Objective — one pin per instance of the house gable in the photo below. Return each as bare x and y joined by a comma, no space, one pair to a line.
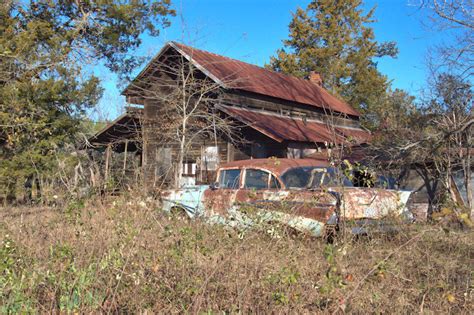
233,74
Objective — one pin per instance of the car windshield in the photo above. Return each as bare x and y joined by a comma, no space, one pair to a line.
314,177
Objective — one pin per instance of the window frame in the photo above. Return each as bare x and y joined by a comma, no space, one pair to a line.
243,174
277,180
239,185
256,169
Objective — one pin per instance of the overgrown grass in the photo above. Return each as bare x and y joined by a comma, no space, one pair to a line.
123,255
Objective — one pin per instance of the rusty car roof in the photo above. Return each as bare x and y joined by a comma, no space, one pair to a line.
235,74
275,165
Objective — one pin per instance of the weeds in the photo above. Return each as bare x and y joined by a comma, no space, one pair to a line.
122,256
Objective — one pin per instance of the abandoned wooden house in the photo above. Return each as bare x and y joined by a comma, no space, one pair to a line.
278,116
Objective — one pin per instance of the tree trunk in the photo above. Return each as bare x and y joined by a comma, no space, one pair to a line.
38,187
468,175
179,163
431,185
28,185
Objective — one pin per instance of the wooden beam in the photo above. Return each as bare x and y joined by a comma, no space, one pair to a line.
107,162
125,157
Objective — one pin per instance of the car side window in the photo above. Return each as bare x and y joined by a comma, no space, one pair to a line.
229,179
256,179
297,177
274,183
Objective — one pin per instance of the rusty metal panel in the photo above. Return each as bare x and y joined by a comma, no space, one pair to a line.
125,127
281,128
357,135
307,210
235,74
371,203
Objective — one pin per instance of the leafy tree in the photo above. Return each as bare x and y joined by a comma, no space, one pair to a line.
399,107
46,85
434,138
334,39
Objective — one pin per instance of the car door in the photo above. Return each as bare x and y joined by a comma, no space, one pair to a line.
260,189
303,210
219,199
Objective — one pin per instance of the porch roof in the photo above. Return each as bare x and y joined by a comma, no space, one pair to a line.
125,128
282,128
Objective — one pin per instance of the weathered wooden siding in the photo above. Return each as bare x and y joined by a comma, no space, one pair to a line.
254,145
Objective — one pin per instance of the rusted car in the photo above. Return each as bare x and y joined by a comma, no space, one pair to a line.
307,195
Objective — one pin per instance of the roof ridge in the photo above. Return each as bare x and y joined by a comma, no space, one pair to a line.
248,63
256,79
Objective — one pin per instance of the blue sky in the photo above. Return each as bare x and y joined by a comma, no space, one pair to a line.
252,31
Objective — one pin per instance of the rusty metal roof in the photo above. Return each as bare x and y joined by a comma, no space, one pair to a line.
235,74
124,128
275,165
283,128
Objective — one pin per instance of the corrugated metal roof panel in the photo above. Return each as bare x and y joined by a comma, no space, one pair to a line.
235,74
281,128
244,76
357,135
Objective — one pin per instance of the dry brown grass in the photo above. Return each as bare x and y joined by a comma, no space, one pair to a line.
101,256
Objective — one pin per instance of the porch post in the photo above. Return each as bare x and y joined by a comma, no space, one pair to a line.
125,157
107,161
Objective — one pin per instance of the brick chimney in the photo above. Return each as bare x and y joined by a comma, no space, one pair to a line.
315,78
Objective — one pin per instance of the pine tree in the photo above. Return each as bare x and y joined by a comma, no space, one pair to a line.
47,50
332,37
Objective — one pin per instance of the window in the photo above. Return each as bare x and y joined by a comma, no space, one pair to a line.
229,179
329,177
210,158
385,182
314,177
297,177
256,179
189,169
274,183
163,162
319,178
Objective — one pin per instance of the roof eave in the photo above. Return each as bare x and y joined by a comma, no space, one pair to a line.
184,54
147,67
197,65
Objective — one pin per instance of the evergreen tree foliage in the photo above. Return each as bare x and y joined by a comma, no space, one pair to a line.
46,86
333,38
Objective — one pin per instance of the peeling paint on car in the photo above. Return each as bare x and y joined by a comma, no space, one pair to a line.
307,210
